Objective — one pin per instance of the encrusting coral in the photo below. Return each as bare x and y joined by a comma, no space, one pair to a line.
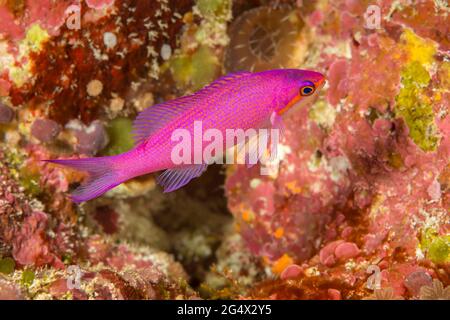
41,248
266,38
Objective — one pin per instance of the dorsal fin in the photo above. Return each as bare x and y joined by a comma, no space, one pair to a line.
156,117
223,81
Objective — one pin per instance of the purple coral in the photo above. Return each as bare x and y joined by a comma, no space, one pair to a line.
354,184
6,114
416,280
45,130
90,139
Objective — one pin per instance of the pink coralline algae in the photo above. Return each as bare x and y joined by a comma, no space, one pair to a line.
24,230
50,14
365,72
359,179
264,209
30,245
337,250
99,4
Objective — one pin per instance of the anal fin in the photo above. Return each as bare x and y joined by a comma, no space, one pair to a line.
173,179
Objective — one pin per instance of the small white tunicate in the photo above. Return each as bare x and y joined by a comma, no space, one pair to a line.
110,40
166,52
94,88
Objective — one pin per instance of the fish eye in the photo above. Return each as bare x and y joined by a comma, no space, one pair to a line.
307,90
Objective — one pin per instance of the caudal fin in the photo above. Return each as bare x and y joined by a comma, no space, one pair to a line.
102,176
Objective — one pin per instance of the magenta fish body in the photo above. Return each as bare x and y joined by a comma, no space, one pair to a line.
238,101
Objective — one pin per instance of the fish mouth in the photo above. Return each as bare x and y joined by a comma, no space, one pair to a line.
321,83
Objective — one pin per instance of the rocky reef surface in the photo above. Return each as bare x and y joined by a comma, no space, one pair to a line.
357,206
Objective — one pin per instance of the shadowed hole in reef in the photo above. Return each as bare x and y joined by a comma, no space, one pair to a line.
195,217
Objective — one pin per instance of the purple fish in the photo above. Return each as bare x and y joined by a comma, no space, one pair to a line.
242,100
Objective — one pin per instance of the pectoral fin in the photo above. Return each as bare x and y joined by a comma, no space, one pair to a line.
276,122
253,149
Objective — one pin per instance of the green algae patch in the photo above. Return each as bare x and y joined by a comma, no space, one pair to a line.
196,70
415,75
205,65
7,265
213,7
413,107
36,36
412,102
417,48
181,69
30,181
27,278
120,136
28,176
14,158
437,248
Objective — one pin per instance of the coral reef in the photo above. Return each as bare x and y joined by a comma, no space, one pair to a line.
72,72
356,207
360,183
68,92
